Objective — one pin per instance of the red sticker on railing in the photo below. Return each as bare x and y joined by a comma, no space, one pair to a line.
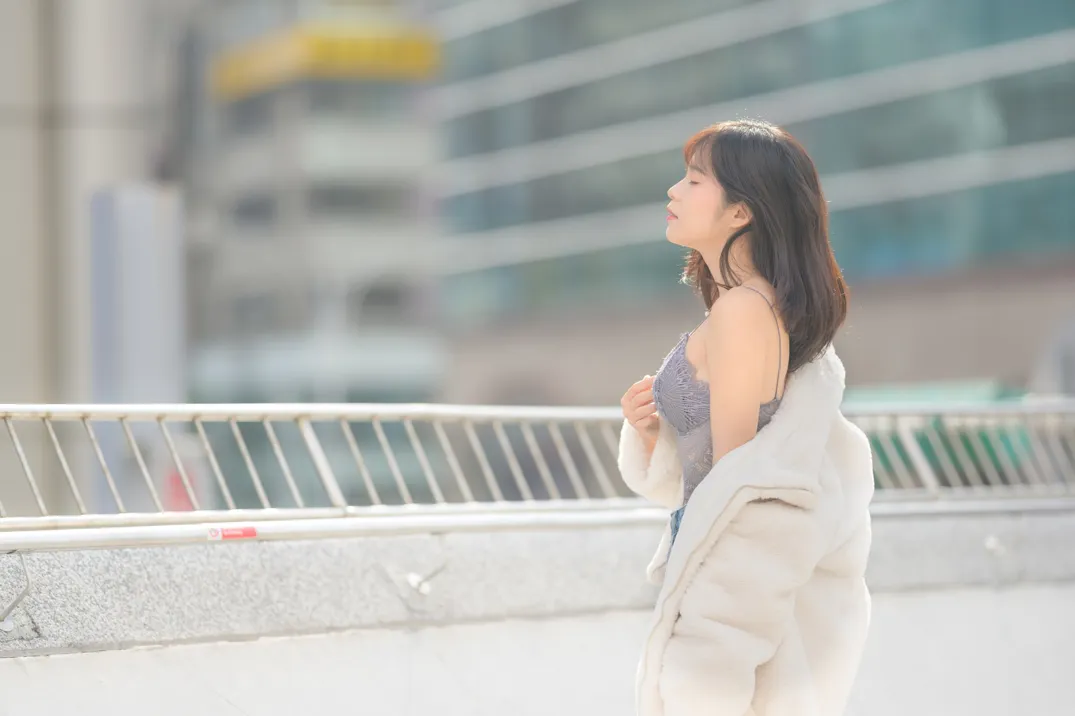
222,533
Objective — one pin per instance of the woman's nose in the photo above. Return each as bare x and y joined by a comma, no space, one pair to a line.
671,189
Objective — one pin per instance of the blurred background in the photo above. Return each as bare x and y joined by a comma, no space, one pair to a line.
461,200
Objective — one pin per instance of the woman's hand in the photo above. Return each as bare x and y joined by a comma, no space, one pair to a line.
640,411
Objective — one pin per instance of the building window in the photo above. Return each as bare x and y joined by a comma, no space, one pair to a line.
358,200
249,115
355,100
255,314
255,210
381,303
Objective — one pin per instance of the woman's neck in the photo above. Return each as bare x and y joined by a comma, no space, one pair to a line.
739,262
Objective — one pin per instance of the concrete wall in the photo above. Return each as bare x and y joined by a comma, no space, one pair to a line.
972,616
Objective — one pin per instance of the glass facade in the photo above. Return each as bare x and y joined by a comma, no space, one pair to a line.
1010,111
567,28
1024,218
1017,222
888,35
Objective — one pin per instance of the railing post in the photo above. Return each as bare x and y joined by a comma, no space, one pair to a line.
321,463
905,427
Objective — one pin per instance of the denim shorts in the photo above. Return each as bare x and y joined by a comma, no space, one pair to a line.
676,519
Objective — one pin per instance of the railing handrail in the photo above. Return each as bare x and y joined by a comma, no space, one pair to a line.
496,518
400,411
271,514
291,411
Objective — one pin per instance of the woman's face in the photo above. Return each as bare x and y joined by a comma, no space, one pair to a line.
698,215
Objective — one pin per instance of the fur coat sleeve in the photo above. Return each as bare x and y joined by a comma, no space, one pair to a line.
657,477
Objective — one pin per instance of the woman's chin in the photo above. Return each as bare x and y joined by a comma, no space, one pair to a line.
670,235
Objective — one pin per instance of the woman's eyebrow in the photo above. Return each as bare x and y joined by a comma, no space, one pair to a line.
695,168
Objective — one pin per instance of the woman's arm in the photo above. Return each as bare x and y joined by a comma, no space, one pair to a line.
739,369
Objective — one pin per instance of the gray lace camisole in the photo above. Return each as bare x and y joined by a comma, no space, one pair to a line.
683,401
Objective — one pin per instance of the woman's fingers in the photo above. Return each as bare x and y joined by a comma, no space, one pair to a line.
643,398
644,384
637,402
643,412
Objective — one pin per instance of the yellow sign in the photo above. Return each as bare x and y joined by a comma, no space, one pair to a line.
354,53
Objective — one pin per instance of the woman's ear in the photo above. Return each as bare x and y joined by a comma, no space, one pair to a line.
741,215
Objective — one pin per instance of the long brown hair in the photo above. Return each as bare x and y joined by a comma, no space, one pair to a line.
764,167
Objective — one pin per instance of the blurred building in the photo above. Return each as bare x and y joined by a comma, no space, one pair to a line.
81,104
76,114
944,131
303,137
304,152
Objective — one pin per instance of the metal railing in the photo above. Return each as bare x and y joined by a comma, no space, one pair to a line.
150,475
143,465
1008,450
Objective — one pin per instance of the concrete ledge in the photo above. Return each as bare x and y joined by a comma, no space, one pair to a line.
987,652
915,552
109,599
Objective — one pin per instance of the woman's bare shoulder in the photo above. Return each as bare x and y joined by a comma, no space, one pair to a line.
741,313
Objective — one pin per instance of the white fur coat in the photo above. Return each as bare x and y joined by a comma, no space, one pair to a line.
763,609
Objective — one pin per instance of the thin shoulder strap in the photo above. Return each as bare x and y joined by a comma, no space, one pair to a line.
779,348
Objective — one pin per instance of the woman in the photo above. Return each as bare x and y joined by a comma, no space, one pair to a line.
763,609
